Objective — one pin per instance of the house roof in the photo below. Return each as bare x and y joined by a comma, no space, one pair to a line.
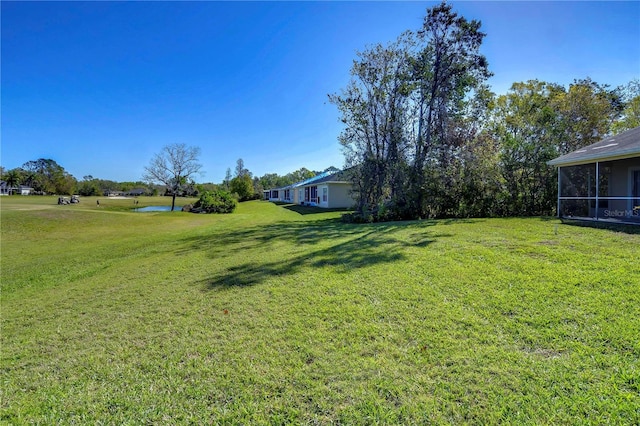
618,147
309,181
341,176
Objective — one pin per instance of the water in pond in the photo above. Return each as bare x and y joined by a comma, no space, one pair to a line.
157,209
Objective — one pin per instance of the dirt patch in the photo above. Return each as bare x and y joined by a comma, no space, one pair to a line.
543,353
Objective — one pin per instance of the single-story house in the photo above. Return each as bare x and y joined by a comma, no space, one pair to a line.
601,181
294,193
25,190
4,188
331,191
285,194
276,194
136,192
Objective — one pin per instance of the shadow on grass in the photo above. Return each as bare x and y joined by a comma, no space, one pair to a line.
611,226
305,210
307,245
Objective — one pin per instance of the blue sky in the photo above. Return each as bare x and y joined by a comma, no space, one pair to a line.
100,87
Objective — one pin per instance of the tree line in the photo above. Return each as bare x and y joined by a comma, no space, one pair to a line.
424,136
247,186
46,176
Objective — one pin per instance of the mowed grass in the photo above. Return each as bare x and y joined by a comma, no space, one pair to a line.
277,315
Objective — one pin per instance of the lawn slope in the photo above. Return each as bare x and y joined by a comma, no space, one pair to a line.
277,315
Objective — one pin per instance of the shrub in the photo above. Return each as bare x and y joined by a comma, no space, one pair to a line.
217,201
384,212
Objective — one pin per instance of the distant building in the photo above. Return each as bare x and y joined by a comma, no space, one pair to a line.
329,189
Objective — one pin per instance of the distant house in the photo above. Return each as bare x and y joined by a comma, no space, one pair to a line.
329,189
275,194
136,192
25,190
601,181
5,189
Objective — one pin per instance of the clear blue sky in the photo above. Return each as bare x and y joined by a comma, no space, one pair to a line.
100,87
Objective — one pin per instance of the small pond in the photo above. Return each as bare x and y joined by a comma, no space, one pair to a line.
157,209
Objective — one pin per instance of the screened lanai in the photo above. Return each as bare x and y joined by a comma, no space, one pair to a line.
601,181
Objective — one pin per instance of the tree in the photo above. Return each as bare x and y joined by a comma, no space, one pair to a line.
89,186
301,174
227,179
403,111
586,112
273,180
13,177
243,186
47,176
537,121
173,167
526,126
240,169
630,117
217,201
373,108
257,186
446,69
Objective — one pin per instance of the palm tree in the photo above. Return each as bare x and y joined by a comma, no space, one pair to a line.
12,177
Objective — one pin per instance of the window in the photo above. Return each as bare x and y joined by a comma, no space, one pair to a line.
325,192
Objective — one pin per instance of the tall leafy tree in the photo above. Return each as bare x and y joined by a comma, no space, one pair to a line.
586,112
227,178
630,116
241,170
271,180
300,175
243,186
447,67
402,111
476,184
373,108
88,186
526,125
13,177
47,176
173,167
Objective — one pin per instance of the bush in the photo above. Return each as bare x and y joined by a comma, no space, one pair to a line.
217,201
384,212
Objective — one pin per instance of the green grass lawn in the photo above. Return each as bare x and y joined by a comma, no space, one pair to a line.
275,315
